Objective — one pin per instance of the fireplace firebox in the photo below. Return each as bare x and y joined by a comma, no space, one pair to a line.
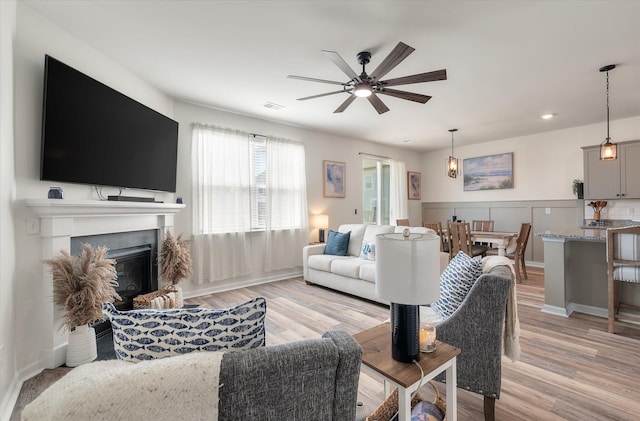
135,254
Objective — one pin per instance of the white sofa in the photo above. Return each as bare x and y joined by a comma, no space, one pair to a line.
349,273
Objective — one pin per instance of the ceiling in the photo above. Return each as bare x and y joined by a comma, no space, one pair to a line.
507,62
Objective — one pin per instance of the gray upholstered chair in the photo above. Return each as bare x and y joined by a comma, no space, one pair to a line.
623,265
476,327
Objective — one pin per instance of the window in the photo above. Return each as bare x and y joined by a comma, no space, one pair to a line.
258,168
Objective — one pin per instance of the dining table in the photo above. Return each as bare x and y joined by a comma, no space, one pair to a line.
499,239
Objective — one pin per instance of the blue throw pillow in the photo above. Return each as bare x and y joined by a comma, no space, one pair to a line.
455,283
337,243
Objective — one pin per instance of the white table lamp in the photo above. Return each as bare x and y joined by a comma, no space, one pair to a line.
407,275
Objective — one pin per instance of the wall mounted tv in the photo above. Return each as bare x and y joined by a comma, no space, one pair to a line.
93,134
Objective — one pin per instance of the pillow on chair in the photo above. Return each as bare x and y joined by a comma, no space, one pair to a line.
149,334
455,283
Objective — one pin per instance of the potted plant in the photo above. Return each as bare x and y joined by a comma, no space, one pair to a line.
578,188
175,262
81,284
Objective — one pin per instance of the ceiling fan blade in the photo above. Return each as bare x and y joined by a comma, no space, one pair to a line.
419,78
339,61
395,57
311,79
345,104
406,95
377,104
320,95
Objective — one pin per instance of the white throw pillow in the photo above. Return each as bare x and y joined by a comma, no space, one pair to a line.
368,251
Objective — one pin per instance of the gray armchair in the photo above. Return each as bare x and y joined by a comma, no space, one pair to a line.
476,327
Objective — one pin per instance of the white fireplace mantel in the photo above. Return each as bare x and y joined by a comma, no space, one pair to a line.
62,219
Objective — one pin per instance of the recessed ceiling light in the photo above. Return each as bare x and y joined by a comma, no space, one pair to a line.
546,116
273,105
407,141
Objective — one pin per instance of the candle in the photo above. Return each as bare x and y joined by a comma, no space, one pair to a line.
427,338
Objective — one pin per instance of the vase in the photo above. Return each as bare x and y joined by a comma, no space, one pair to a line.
596,215
82,347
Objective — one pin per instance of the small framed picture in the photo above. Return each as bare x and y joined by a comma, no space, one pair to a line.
414,185
333,179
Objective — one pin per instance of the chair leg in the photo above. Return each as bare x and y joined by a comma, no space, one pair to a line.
611,304
489,408
524,269
517,268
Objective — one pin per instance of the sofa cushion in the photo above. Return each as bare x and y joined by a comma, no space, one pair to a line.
373,230
149,334
347,267
368,272
337,243
355,240
323,261
455,282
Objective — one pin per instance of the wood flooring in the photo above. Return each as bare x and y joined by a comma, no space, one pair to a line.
570,368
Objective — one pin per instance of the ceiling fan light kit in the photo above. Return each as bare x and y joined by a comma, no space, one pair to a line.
452,162
608,149
370,86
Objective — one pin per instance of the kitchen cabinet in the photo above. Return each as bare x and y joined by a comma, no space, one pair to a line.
618,179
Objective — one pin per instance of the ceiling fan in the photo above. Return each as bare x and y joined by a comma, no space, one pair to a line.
370,86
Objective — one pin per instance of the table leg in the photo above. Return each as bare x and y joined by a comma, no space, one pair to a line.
387,388
404,404
452,397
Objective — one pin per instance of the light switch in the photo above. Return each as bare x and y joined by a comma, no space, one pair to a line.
547,211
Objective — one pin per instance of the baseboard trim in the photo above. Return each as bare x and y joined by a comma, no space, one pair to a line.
557,311
591,310
9,401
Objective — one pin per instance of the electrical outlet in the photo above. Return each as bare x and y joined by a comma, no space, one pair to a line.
547,211
33,226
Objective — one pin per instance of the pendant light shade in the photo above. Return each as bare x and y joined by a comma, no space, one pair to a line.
452,162
608,149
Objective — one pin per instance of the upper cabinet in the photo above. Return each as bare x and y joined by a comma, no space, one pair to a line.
618,179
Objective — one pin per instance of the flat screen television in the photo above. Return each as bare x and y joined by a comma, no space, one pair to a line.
93,134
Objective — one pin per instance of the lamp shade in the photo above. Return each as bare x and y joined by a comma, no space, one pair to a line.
408,268
321,221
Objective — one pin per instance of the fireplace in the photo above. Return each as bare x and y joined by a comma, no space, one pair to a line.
64,220
135,254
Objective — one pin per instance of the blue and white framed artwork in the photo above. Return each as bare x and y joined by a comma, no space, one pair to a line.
333,179
491,172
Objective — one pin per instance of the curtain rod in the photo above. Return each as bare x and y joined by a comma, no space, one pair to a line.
373,156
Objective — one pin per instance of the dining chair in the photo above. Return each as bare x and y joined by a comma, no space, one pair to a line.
480,225
402,222
518,253
623,265
460,240
437,227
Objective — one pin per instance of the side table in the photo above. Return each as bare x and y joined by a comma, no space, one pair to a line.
377,360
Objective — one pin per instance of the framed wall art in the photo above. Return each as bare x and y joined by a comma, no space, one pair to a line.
414,185
333,179
488,172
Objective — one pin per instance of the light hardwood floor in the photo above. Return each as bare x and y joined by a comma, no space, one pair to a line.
570,369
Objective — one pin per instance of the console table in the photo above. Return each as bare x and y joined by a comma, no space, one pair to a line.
376,360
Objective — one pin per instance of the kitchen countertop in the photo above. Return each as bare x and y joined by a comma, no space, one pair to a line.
587,232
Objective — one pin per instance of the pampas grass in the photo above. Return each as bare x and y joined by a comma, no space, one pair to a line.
81,284
175,259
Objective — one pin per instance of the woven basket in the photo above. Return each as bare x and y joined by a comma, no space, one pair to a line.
389,407
171,299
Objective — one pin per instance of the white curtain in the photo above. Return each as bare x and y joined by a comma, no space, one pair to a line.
221,204
287,225
398,196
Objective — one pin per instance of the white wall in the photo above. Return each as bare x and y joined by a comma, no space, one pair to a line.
544,166
7,194
318,147
35,37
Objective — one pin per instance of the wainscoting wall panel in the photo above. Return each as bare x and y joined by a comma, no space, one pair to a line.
544,215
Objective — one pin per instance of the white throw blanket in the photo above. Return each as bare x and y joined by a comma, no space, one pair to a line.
511,322
176,388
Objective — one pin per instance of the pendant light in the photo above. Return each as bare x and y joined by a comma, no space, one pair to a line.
452,162
608,150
